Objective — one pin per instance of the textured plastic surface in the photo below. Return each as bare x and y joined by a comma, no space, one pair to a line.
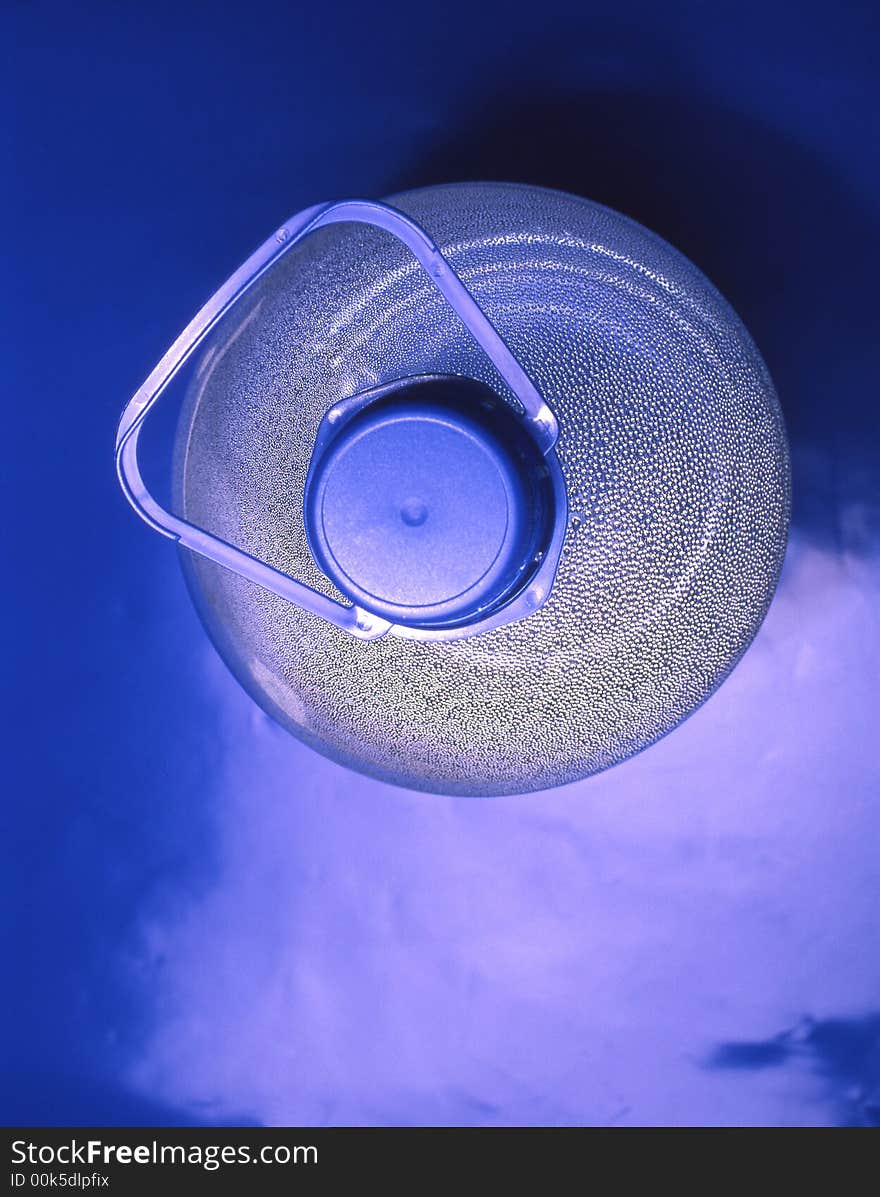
672,448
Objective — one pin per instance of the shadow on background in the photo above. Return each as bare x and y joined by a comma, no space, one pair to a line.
844,1052
773,226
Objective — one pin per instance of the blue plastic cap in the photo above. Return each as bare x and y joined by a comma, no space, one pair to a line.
425,502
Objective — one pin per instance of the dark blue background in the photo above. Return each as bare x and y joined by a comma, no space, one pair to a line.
149,148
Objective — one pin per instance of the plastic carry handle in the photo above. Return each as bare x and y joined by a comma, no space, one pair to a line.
350,618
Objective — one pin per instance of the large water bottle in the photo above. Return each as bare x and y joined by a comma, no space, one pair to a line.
482,489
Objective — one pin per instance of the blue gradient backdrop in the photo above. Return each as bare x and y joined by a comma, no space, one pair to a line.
206,923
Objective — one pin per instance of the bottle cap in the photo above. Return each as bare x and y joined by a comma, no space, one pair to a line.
427,506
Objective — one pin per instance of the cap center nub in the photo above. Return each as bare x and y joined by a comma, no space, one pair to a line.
414,513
